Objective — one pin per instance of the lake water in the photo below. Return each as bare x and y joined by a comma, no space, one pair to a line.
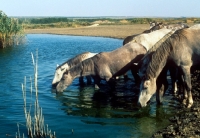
86,111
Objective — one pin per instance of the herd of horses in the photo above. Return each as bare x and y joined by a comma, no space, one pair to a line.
149,56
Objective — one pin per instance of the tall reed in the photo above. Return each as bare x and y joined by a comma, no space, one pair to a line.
35,125
11,32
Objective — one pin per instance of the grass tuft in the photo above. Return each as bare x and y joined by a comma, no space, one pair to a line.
35,125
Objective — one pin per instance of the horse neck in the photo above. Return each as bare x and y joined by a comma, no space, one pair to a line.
74,61
84,68
159,59
158,43
88,67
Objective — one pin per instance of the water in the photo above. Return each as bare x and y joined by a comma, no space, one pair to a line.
83,110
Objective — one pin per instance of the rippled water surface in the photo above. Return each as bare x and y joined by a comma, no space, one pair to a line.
88,112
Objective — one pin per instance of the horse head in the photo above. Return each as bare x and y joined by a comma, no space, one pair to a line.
147,89
64,82
147,86
154,23
59,73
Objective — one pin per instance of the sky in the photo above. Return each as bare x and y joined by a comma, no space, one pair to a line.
91,8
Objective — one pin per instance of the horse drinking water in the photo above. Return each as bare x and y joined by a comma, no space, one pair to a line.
69,64
105,65
183,49
147,40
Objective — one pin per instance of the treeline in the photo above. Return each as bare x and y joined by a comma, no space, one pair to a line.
11,32
43,20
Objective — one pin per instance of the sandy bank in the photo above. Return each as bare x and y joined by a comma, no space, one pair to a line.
114,31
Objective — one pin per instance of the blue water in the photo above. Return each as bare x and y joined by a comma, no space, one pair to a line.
88,112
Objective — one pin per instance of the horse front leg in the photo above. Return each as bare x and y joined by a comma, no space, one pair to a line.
111,82
81,80
89,79
97,81
125,76
134,71
162,85
188,100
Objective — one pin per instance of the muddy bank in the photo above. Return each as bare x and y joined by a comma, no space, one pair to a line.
187,121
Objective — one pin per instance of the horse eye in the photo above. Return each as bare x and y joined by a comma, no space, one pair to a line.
62,69
147,78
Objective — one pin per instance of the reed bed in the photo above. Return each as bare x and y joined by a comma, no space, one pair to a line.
35,125
11,32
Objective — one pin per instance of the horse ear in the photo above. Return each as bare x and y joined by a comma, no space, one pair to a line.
57,65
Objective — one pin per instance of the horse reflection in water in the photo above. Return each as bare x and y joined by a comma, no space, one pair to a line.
69,64
105,65
183,49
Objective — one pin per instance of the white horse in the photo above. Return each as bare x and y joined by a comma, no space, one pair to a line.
69,64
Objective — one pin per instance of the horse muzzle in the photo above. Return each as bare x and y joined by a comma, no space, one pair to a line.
54,85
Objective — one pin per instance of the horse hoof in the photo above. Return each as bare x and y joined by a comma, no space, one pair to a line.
185,101
96,87
189,106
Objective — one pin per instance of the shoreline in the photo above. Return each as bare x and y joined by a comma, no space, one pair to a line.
110,31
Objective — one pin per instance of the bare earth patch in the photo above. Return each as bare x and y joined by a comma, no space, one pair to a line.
113,31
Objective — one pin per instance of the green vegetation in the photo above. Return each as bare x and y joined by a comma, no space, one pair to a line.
11,32
64,22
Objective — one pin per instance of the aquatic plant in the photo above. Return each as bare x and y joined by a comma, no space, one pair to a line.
35,125
11,32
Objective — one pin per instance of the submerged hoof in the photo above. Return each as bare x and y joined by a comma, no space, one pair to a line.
189,105
185,102
96,87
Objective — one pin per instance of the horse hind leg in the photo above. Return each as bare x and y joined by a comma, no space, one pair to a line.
187,83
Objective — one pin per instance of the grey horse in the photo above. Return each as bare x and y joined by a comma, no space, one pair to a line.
183,49
105,65
69,64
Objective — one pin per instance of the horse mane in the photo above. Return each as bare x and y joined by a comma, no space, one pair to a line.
73,61
153,48
88,65
82,68
160,56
